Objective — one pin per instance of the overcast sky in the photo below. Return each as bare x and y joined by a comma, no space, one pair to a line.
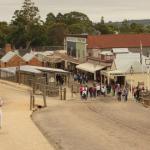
112,10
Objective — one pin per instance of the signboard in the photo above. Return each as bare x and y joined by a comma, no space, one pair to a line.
76,39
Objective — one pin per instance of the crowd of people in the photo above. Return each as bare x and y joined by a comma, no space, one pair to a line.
94,91
98,89
81,78
120,92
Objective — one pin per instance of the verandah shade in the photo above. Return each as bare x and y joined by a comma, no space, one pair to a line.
89,67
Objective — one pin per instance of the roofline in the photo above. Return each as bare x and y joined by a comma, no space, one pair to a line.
76,35
116,47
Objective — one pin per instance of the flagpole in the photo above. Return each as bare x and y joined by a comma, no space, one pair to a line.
141,59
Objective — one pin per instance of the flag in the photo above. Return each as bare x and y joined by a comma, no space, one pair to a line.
141,47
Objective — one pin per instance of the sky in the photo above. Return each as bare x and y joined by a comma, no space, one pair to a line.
112,10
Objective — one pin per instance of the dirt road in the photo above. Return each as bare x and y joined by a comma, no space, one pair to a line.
96,125
18,130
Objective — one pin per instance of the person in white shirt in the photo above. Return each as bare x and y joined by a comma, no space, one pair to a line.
98,88
103,90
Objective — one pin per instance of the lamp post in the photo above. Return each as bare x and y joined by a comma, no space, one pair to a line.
147,62
131,72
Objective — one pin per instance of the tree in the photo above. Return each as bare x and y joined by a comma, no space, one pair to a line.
56,34
76,17
125,27
4,31
136,28
50,19
23,22
103,28
60,18
102,20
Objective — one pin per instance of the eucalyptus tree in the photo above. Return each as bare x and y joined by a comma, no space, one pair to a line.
24,23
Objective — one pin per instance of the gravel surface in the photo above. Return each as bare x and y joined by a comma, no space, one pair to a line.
102,124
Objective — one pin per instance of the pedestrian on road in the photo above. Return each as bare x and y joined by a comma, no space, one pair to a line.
1,104
94,91
103,90
119,94
81,90
125,94
98,88
91,91
84,93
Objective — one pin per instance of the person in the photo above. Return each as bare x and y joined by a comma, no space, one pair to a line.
81,90
119,94
80,79
125,94
98,89
103,90
91,92
1,104
108,88
138,90
75,77
94,91
84,93
113,90
87,91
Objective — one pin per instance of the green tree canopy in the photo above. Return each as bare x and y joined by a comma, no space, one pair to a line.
76,17
4,31
50,19
23,22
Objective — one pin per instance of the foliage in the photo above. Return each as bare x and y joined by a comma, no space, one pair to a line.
27,30
56,34
4,31
24,23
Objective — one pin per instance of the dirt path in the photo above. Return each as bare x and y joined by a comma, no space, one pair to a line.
96,125
18,131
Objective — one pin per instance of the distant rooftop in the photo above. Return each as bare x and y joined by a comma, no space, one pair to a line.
118,41
8,56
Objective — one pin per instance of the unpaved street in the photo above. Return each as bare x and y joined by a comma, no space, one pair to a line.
18,130
96,125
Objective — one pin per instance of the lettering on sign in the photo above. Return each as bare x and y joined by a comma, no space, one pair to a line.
75,39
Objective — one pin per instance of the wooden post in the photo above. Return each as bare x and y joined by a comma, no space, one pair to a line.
64,93
44,97
60,92
72,90
31,100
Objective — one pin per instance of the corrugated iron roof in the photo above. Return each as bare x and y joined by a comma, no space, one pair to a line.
118,41
28,56
8,56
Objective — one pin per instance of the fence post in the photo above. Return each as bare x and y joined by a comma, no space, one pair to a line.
72,90
44,97
64,93
31,100
61,92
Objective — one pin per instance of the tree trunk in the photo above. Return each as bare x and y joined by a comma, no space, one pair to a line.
28,44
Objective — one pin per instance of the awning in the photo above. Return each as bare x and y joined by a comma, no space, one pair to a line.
89,67
113,73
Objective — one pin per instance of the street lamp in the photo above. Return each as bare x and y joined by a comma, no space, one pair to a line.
147,62
131,72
